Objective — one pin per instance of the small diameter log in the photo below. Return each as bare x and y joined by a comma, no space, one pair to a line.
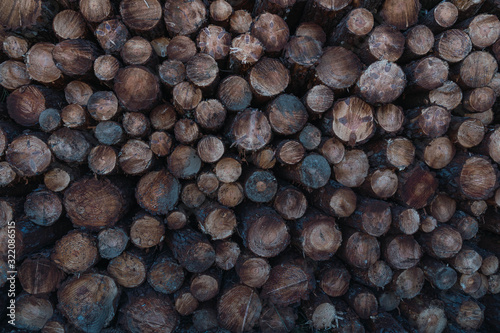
176,219
332,149
136,124
215,220
272,31
479,99
438,153
150,312
260,186
186,97
136,88
172,72
226,254
69,24
186,131
338,68
321,312
245,51
15,47
43,207
175,20
111,242
353,120
466,225
382,82
103,105
439,274
476,177
230,194
240,22
377,276
214,40
184,162
290,152
388,300
355,25
207,182
301,54
312,30
112,35
185,303
290,203
408,9
210,115
268,78
77,92
250,130
160,143
140,15
442,16
317,235
165,275
239,309
7,174
128,270
75,57
442,207
385,43
390,118
205,286
109,133
263,231
318,99
137,51
264,159
477,69
424,314
382,184
371,216
158,192
453,45
474,207
76,252
427,73
334,278
312,172
359,249
353,169
407,283
146,231
202,70
220,12
443,242
401,251
40,64
13,75
252,271
324,13
228,170
277,320
287,115
32,312
416,186
475,284
467,261
135,157
103,160
419,42
234,93
191,249
310,137
467,132
74,116
181,48
95,10
205,317
69,145
94,204
287,284
210,149
362,301
28,156
39,275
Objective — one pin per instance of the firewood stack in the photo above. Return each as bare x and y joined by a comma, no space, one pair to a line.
251,165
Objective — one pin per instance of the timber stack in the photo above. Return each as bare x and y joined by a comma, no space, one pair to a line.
250,165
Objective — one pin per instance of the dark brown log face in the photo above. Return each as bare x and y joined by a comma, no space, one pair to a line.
43,207
290,203
202,70
135,157
239,309
146,231
449,95
353,120
216,221
172,72
39,275
277,319
112,35
417,186
175,16
390,117
475,169
28,156
320,236
312,30
385,43
94,204
75,57
360,250
251,130
226,254
111,242
419,40
140,15
353,160
181,48
184,162
128,270
338,68
401,14
439,152
158,192
402,252
165,275
136,88
286,285
136,51
186,97
443,242
443,16
319,99
268,78
69,24
13,75
76,252
15,47
26,104
484,30
428,73
335,279
77,92
287,115
382,82
479,99
234,93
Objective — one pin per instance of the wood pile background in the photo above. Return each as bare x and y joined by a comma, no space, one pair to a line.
250,165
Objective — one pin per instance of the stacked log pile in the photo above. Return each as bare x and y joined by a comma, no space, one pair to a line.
250,166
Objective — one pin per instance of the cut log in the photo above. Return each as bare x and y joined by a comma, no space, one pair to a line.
191,249
128,270
239,309
76,252
439,274
28,155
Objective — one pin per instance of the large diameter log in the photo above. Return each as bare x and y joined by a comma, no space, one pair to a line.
407,13
28,155
32,312
318,235
40,64
89,301
335,278
158,192
140,15
239,309
136,88
94,204
477,69
26,103
263,230
272,31
268,78
43,207
75,57
277,320
69,145
407,283
466,312
76,252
